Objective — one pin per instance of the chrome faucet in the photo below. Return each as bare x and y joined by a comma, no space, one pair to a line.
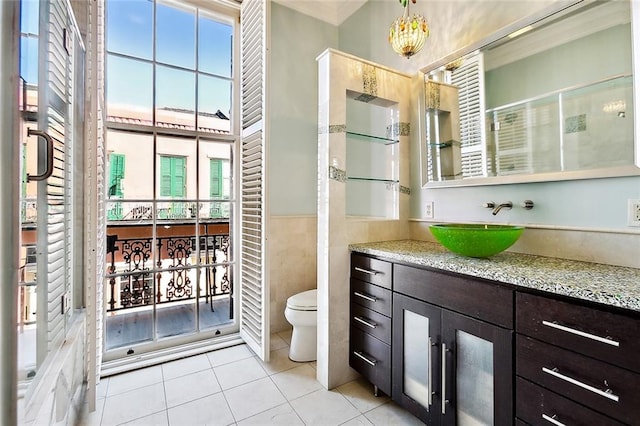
499,207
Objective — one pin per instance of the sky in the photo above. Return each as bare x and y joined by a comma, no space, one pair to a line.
129,32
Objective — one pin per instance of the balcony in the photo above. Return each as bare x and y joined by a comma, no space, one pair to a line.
168,285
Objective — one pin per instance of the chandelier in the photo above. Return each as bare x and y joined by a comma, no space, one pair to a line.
408,33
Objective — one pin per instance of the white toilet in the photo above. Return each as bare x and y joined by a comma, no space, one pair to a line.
301,312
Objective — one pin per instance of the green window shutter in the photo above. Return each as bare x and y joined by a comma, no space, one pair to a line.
116,174
178,181
172,176
216,178
165,176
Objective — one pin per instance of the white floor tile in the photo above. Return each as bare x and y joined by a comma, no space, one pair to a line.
190,387
360,394
93,418
324,407
185,366
227,355
278,361
283,415
157,419
253,398
102,387
210,410
297,382
391,414
286,336
276,342
132,405
134,379
361,420
239,372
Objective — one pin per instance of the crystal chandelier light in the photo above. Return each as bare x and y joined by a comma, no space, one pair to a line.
408,33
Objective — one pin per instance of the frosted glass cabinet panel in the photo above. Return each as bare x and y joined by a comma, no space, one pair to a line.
450,369
474,381
416,360
477,372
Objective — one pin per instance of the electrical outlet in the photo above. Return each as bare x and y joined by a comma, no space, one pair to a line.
428,210
634,213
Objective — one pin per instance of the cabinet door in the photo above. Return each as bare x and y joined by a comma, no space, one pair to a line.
415,360
477,384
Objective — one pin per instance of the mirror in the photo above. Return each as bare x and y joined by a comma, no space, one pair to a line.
553,100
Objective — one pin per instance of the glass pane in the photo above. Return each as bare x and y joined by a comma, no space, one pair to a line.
29,60
29,16
214,104
215,276
177,282
129,28
129,90
129,299
214,47
474,380
176,177
175,36
175,98
27,305
129,180
215,171
416,350
598,125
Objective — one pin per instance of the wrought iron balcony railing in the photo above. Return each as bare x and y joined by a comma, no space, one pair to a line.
146,271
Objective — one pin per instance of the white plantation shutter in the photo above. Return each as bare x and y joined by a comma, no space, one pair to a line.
469,80
95,226
55,218
254,288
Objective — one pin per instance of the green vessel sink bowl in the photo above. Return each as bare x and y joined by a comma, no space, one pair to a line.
476,240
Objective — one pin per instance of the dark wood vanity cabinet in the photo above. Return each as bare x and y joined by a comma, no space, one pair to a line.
454,349
370,320
451,367
569,357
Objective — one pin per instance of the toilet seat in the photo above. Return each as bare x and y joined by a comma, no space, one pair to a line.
305,301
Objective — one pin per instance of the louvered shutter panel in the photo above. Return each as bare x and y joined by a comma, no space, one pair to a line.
54,233
165,176
215,167
178,172
469,80
254,288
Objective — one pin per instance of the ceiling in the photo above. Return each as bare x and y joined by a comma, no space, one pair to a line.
331,11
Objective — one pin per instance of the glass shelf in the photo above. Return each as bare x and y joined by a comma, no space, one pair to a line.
372,138
372,179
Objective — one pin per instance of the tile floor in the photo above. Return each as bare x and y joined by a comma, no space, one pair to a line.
233,387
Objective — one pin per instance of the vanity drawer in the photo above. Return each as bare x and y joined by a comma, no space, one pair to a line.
371,296
594,332
538,406
371,270
371,358
488,301
603,387
371,322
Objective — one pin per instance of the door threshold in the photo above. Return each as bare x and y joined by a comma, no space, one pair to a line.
148,359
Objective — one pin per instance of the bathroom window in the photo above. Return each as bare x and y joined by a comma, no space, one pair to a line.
171,90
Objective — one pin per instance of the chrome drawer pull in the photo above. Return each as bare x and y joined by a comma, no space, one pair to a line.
366,296
429,366
367,323
606,393
581,333
552,419
367,271
371,362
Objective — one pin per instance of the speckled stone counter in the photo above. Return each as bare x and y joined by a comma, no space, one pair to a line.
610,285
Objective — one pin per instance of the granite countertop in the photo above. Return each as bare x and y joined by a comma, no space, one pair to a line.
611,285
